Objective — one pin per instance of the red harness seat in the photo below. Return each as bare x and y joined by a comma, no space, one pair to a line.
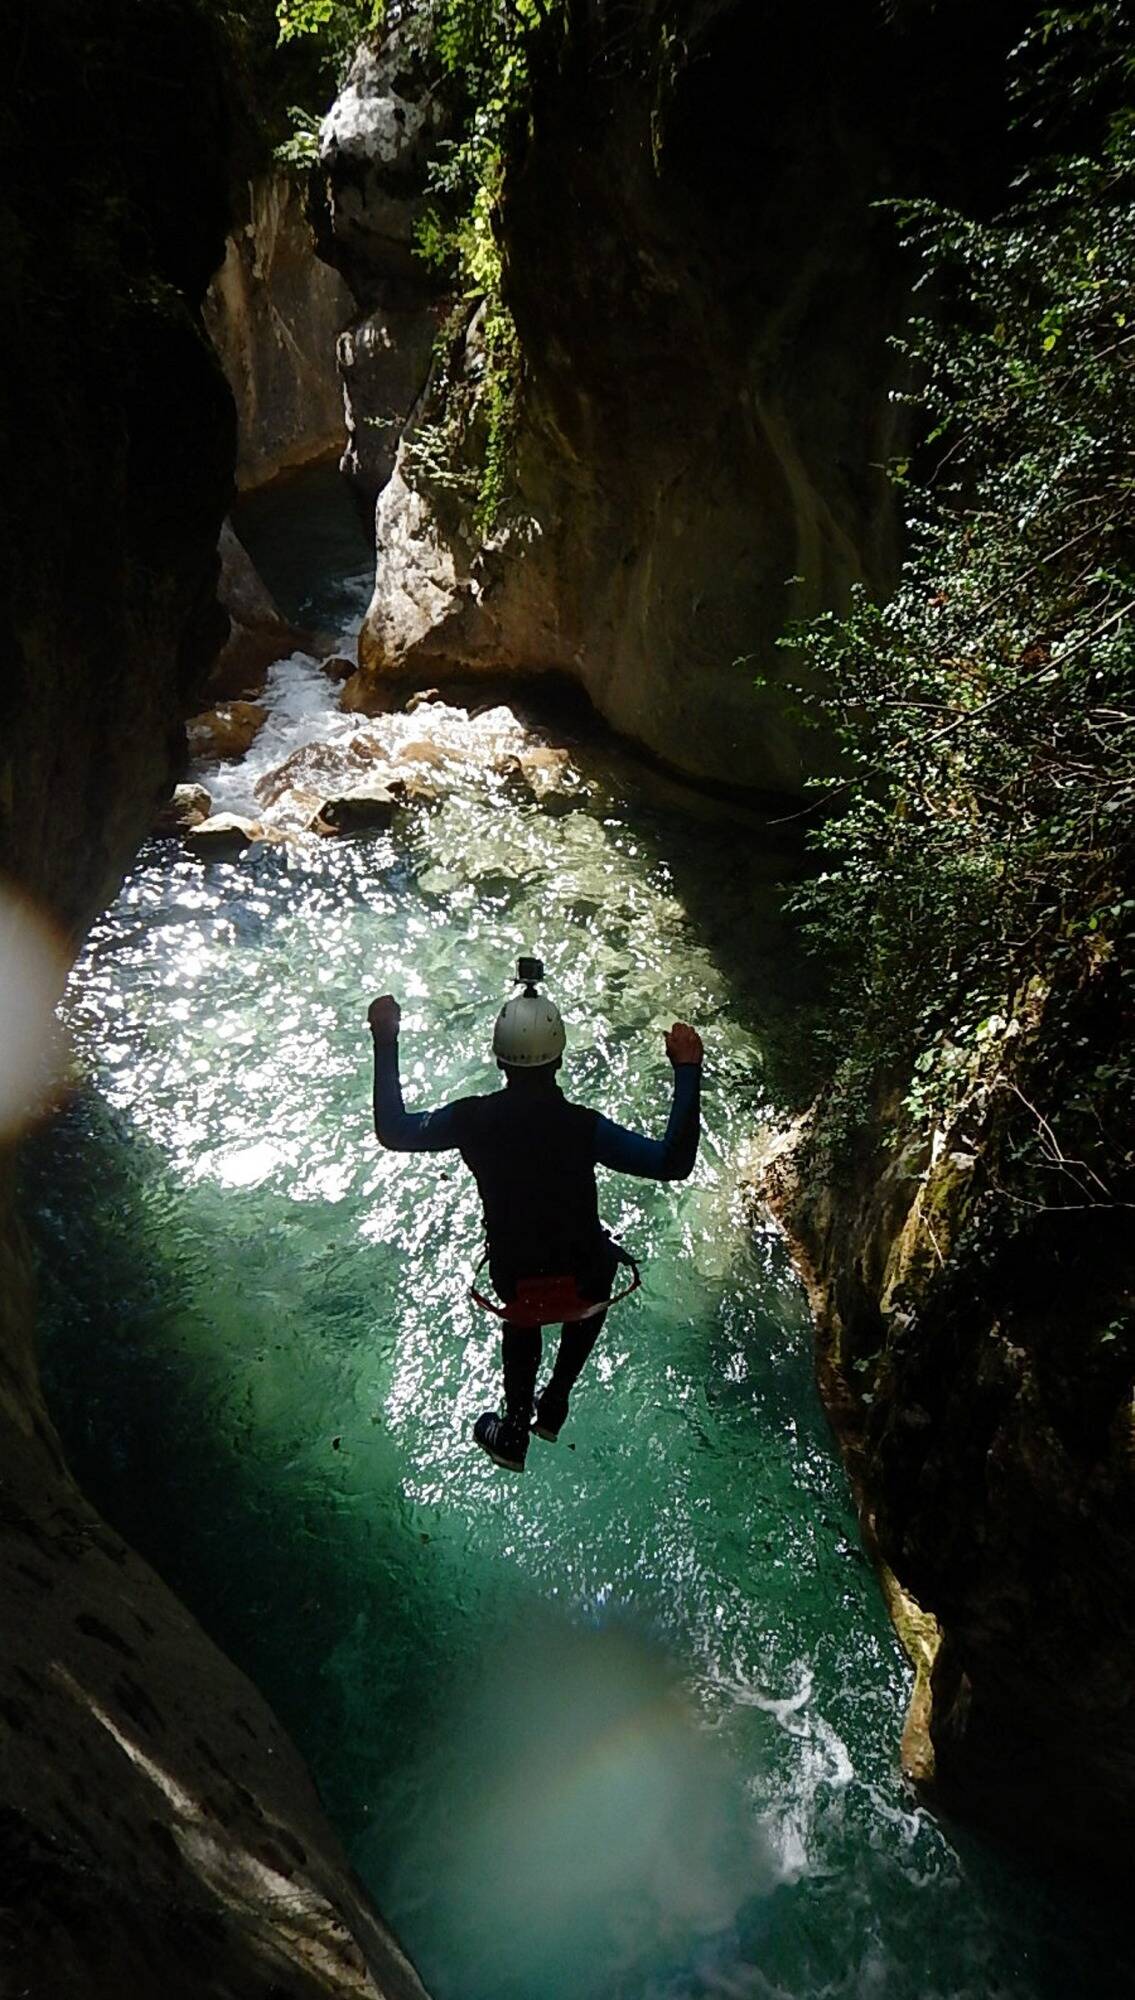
548,1301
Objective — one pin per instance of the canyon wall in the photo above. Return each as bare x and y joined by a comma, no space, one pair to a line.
274,312
975,1354
376,145
157,1831
703,291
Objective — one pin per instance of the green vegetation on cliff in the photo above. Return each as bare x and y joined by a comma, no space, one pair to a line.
483,48
964,1192
977,881
478,54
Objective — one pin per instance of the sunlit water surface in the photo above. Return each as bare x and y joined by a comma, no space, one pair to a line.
625,1726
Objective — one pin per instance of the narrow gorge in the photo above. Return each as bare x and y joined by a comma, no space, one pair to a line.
464,470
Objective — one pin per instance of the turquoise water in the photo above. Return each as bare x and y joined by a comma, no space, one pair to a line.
626,1726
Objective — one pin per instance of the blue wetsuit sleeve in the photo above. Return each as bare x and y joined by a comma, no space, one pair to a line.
670,1158
407,1131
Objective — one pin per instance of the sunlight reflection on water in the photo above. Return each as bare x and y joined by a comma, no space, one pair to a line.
625,1727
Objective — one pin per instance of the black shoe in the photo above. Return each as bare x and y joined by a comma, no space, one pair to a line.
504,1438
551,1414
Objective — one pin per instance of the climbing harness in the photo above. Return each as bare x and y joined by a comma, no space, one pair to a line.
545,1301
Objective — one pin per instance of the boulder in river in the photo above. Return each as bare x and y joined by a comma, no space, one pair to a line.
337,667
258,634
186,807
422,751
228,730
223,835
320,767
544,769
415,789
355,812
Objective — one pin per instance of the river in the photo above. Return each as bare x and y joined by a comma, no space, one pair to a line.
625,1726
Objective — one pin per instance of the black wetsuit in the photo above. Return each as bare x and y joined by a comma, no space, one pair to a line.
534,1156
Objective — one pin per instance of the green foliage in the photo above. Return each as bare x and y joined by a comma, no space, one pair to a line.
484,47
976,854
301,150
329,31
337,25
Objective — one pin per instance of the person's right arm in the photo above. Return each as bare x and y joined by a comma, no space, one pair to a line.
401,1130
672,1157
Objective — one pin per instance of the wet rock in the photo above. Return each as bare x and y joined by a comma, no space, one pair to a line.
258,635
544,769
337,667
415,789
242,590
362,694
226,731
223,835
188,806
355,812
317,767
421,751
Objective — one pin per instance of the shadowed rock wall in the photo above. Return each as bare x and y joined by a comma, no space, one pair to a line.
274,313
703,291
157,1831
975,1353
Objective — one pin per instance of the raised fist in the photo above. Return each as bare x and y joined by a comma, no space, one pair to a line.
684,1044
385,1016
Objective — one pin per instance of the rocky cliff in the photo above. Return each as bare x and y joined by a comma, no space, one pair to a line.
376,145
274,312
157,1832
975,1303
703,292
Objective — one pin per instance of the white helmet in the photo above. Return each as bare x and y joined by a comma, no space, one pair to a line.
529,1031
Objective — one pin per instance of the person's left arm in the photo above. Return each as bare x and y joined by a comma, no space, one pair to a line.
672,1157
401,1130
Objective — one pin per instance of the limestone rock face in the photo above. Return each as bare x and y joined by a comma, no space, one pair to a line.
384,362
258,634
158,1830
375,148
703,293
977,1355
226,731
274,312
185,808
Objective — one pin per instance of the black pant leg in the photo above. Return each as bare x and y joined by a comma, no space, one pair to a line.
521,1348
577,1339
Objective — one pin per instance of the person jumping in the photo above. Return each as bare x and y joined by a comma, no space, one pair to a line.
533,1155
